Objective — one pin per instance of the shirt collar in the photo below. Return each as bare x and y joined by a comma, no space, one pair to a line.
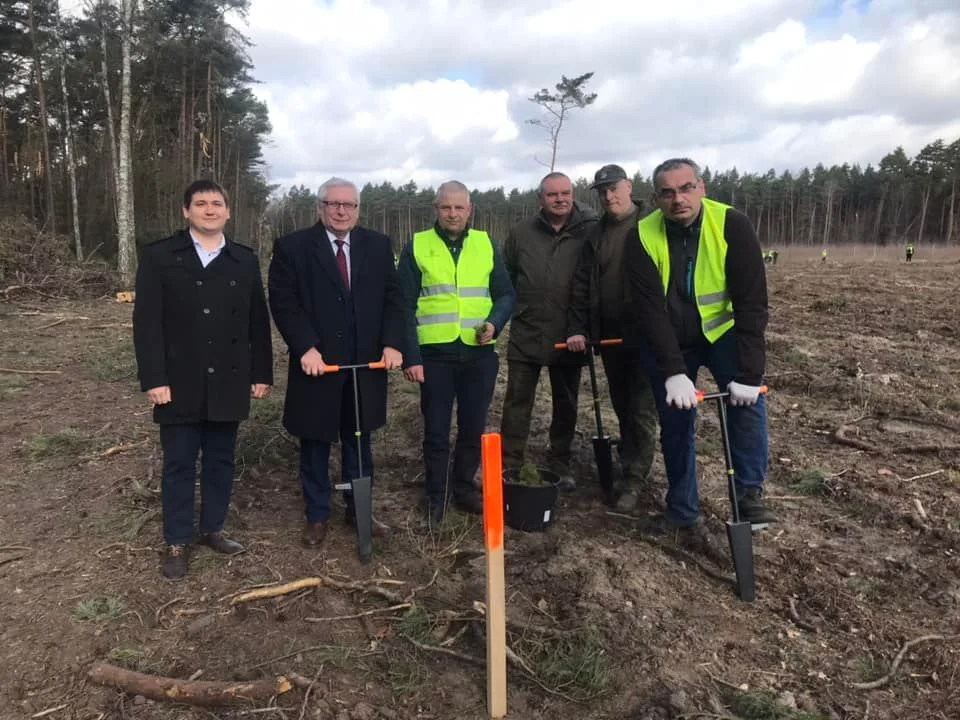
218,248
677,230
333,238
445,236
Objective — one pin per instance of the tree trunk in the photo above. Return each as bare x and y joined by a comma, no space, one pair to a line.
950,217
3,138
828,214
126,232
793,217
879,219
50,215
236,199
184,147
555,140
925,200
111,124
207,139
68,144
898,208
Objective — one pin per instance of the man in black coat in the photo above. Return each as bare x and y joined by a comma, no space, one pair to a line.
336,300
201,332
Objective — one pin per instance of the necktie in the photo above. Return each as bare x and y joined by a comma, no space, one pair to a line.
342,264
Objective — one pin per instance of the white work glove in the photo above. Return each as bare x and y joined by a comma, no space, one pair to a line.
743,395
681,392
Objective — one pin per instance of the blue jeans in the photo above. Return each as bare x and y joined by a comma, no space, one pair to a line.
214,442
315,462
471,384
747,426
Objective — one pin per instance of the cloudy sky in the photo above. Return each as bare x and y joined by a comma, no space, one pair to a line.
434,89
430,90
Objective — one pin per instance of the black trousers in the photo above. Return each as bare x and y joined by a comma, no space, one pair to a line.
470,384
214,443
522,379
315,462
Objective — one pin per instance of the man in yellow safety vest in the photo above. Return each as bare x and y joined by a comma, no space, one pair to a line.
695,273
458,298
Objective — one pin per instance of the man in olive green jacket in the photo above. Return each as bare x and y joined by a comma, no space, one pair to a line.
541,255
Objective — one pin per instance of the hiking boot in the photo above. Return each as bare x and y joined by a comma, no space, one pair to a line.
433,514
627,500
469,502
565,479
221,544
753,509
698,538
175,562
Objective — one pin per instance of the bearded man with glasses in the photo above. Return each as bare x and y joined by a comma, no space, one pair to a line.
336,300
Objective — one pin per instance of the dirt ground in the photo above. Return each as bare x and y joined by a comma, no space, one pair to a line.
607,617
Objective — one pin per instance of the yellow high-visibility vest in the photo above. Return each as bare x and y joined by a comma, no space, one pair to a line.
454,297
709,276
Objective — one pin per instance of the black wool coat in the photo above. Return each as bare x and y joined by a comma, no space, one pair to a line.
313,309
204,332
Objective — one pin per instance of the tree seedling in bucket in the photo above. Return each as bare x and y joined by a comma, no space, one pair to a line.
529,476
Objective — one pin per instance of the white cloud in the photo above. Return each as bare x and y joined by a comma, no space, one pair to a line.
398,90
797,72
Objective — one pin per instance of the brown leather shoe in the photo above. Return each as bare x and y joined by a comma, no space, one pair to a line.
377,529
175,562
219,543
313,533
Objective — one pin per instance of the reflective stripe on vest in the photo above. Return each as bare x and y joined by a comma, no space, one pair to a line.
709,276
454,297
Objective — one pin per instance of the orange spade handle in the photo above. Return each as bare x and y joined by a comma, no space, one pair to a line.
602,343
701,395
492,463
379,365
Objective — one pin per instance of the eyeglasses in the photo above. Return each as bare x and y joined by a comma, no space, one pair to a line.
334,205
670,193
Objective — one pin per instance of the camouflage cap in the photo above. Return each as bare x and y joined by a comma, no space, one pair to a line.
608,175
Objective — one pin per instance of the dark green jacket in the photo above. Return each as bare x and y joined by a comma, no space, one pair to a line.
584,316
541,263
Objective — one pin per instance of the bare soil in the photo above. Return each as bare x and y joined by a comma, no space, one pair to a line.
609,618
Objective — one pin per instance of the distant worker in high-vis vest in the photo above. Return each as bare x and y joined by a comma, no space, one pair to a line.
909,252
458,298
695,273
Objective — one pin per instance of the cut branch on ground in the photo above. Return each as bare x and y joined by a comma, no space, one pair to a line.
197,692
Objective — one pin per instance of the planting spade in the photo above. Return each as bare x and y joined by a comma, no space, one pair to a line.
739,532
360,486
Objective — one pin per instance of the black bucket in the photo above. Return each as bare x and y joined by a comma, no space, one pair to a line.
530,508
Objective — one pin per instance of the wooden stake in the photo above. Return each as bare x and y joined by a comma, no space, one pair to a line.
496,590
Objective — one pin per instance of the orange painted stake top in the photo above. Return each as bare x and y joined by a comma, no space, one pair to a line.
492,464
